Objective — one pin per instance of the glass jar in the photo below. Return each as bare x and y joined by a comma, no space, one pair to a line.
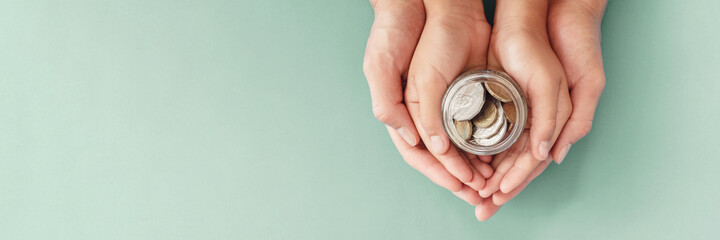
465,101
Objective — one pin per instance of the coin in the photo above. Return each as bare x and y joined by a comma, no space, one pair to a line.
493,139
468,101
510,111
498,91
492,129
463,128
486,117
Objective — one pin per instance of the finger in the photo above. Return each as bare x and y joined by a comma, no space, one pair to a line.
578,48
543,104
478,180
469,156
492,184
453,160
486,209
392,40
485,158
469,195
483,168
580,122
525,165
502,163
501,198
425,163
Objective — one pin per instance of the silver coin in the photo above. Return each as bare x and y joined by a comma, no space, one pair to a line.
495,138
468,101
492,129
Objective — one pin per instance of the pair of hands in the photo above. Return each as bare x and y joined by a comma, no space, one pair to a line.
551,48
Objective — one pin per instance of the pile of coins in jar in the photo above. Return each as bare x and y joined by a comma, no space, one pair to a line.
483,113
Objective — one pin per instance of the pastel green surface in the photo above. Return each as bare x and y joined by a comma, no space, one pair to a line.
251,120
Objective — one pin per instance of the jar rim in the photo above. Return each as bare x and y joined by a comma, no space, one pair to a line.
485,75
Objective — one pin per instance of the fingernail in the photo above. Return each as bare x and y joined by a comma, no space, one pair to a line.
409,138
437,144
544,149
564,152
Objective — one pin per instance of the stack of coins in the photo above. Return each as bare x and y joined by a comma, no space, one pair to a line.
483,119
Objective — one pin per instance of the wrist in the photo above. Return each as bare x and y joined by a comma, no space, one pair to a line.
518,16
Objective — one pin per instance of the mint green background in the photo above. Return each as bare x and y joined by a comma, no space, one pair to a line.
251,120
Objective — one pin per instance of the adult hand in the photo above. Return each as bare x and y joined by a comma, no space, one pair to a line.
431,42
574,30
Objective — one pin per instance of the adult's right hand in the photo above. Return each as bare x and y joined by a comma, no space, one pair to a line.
574,33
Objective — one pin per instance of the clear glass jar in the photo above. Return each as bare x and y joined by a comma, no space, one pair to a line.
462,99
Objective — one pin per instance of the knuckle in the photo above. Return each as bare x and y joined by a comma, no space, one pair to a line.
598,83
454,186
377,64
593,80
583,128
367,67
381,113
